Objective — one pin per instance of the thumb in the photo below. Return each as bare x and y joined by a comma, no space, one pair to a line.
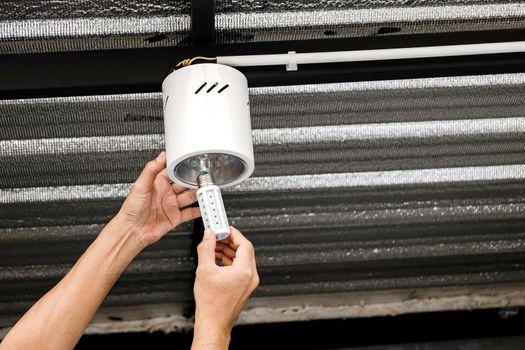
206,249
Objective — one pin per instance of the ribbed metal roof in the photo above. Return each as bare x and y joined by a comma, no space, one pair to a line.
368,198
359,187
37,26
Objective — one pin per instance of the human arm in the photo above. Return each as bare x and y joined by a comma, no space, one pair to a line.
221,291
152,208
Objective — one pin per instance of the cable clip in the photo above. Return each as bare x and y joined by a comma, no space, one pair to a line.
292,62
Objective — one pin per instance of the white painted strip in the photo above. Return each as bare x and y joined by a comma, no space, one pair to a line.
95,26
282,183
385,131
381,178
489,80
320,134
381,303
99,26
91,98
97,144
63,193
294,19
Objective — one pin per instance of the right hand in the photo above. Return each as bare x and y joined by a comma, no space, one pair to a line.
221,291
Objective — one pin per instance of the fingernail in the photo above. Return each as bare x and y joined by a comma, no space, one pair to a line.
161,156
207,233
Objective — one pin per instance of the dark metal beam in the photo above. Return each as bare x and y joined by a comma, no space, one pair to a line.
485,330
142,70
202,22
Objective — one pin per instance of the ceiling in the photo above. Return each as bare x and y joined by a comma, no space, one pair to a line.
380,188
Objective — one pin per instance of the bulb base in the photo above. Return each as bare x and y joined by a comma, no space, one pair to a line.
204,179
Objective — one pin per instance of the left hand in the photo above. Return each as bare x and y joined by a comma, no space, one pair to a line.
154,205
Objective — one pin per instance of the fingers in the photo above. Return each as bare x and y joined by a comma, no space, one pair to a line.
236,238
206,249
225,249
145,180
176,187
189,214
187,198
226,261
245,254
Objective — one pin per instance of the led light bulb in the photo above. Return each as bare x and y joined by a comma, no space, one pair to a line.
211,206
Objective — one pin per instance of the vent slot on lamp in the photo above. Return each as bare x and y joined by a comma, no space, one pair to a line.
200,88
211,88
223,88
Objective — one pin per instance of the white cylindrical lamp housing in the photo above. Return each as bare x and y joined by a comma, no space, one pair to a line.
207,125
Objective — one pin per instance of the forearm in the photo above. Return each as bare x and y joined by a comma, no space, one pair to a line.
59,318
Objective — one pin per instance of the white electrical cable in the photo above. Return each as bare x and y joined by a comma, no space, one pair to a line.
292,59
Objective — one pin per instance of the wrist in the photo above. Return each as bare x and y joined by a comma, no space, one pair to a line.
213,321
124,235
125,227
209,335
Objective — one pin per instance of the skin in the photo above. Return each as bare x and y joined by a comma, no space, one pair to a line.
217,303
153,207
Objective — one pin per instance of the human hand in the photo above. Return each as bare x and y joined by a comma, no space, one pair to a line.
154,205
221,291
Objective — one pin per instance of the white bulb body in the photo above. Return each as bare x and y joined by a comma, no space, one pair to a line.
214,119
212,211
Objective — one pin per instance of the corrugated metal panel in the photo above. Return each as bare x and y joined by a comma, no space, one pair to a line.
306,129
403,195
43,26
48,26
370,19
